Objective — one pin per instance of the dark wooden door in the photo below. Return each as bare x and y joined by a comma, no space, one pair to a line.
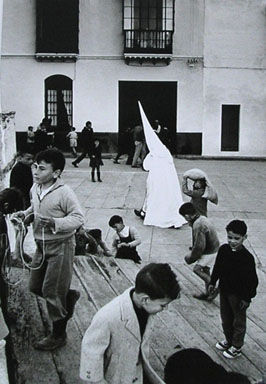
158,99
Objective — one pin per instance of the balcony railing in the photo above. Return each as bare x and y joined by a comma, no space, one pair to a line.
142,41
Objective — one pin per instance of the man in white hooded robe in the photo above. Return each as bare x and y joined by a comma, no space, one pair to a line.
163,193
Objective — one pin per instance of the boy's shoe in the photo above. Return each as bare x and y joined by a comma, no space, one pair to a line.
139,213
201,296
222,345
72,297
75,164
116,162
50,342
232,353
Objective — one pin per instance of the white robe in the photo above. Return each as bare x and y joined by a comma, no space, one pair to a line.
163,195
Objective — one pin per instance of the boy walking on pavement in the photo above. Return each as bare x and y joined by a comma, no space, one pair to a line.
115,347
57,215
236,271
205,244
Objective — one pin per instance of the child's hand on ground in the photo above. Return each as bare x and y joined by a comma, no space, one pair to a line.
211,289
47,222
244,304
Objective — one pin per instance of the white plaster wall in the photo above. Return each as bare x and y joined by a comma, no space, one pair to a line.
95,90
235,33
23,87
100,27
19,27
100,67
189,28
231,86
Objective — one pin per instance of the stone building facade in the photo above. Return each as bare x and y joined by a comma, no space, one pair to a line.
198,66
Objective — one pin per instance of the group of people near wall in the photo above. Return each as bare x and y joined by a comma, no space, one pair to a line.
132,142
42,137
115,347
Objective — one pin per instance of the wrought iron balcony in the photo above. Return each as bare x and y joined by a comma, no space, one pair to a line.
143,41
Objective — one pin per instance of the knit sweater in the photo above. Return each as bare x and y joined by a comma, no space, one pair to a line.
62,205
236,272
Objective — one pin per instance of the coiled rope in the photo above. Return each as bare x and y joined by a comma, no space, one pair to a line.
7,259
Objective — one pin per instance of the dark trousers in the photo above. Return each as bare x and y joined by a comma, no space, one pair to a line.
98,172
52,280
83,155
233,319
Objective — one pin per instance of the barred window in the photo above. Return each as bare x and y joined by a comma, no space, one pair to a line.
148,26
149,15
58,101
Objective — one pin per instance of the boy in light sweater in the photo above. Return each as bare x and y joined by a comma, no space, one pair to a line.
57,215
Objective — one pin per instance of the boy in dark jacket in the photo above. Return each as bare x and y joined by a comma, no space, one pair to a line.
235,269
96,160
21,175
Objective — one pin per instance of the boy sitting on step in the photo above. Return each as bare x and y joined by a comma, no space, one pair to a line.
125,241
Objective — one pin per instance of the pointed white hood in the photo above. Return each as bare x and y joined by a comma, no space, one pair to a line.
163,197
154,144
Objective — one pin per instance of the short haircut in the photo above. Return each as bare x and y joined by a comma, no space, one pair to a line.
237,226
88,123
158,281
115,220
193,366
25,149
13,197
52,156
203,182
187,209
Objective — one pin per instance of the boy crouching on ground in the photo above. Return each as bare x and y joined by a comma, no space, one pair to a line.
236,271
57,215
115,347
205,244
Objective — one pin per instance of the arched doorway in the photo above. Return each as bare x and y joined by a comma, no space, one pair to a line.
58,102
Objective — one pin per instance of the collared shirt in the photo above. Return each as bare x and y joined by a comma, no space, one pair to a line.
42,192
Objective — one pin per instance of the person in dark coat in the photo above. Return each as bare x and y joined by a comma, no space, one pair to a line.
125,146
21,175
41,138
96,160
87,143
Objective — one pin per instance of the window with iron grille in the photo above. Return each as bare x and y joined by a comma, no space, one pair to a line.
57,26
58,101
148,25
